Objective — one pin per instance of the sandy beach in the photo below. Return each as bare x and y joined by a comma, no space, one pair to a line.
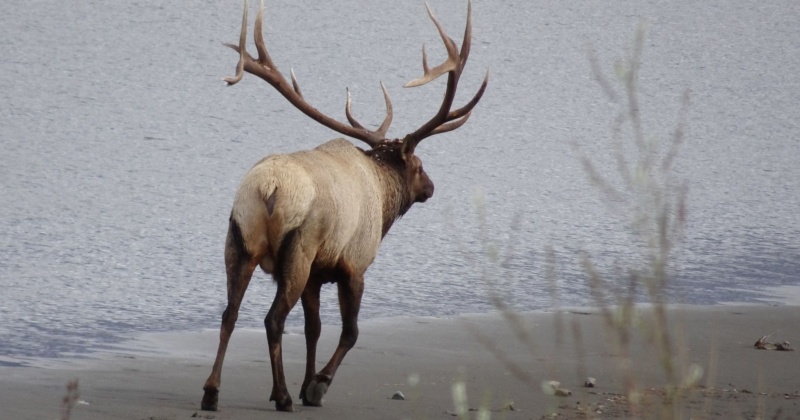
159,376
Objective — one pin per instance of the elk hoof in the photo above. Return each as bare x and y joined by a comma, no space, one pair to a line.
210,399
284,404
316,389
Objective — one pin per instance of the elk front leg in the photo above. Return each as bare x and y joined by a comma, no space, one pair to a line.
313,327
350,292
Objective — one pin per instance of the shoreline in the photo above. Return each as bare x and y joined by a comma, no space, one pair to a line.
160,375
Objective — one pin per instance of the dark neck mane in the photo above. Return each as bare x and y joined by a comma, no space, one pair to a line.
392,166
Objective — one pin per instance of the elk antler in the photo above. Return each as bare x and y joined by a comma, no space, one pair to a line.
264,68
445,120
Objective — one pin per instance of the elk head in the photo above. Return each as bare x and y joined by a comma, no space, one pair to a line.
399,153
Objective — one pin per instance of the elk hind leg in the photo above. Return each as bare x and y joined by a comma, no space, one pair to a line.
350,291
313,328
239,267
292,270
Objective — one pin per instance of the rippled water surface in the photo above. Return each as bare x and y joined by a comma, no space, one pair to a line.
121,151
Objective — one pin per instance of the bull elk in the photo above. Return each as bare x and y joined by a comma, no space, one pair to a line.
318,216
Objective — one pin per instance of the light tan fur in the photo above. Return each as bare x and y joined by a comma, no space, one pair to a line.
333,194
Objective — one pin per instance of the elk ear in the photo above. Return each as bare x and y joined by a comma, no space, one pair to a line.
407,149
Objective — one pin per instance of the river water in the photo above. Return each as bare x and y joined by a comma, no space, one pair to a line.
121,150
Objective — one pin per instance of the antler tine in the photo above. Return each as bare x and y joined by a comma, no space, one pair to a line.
460,116
295,84
349,113
466,109
448,65
467,42
241,49
258,34
387,121
452,125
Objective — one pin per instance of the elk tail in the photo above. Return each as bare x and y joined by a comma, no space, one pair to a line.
270,201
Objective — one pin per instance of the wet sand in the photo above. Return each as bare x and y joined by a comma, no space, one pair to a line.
160,376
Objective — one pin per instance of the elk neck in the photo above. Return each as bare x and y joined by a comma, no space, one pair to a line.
391,171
